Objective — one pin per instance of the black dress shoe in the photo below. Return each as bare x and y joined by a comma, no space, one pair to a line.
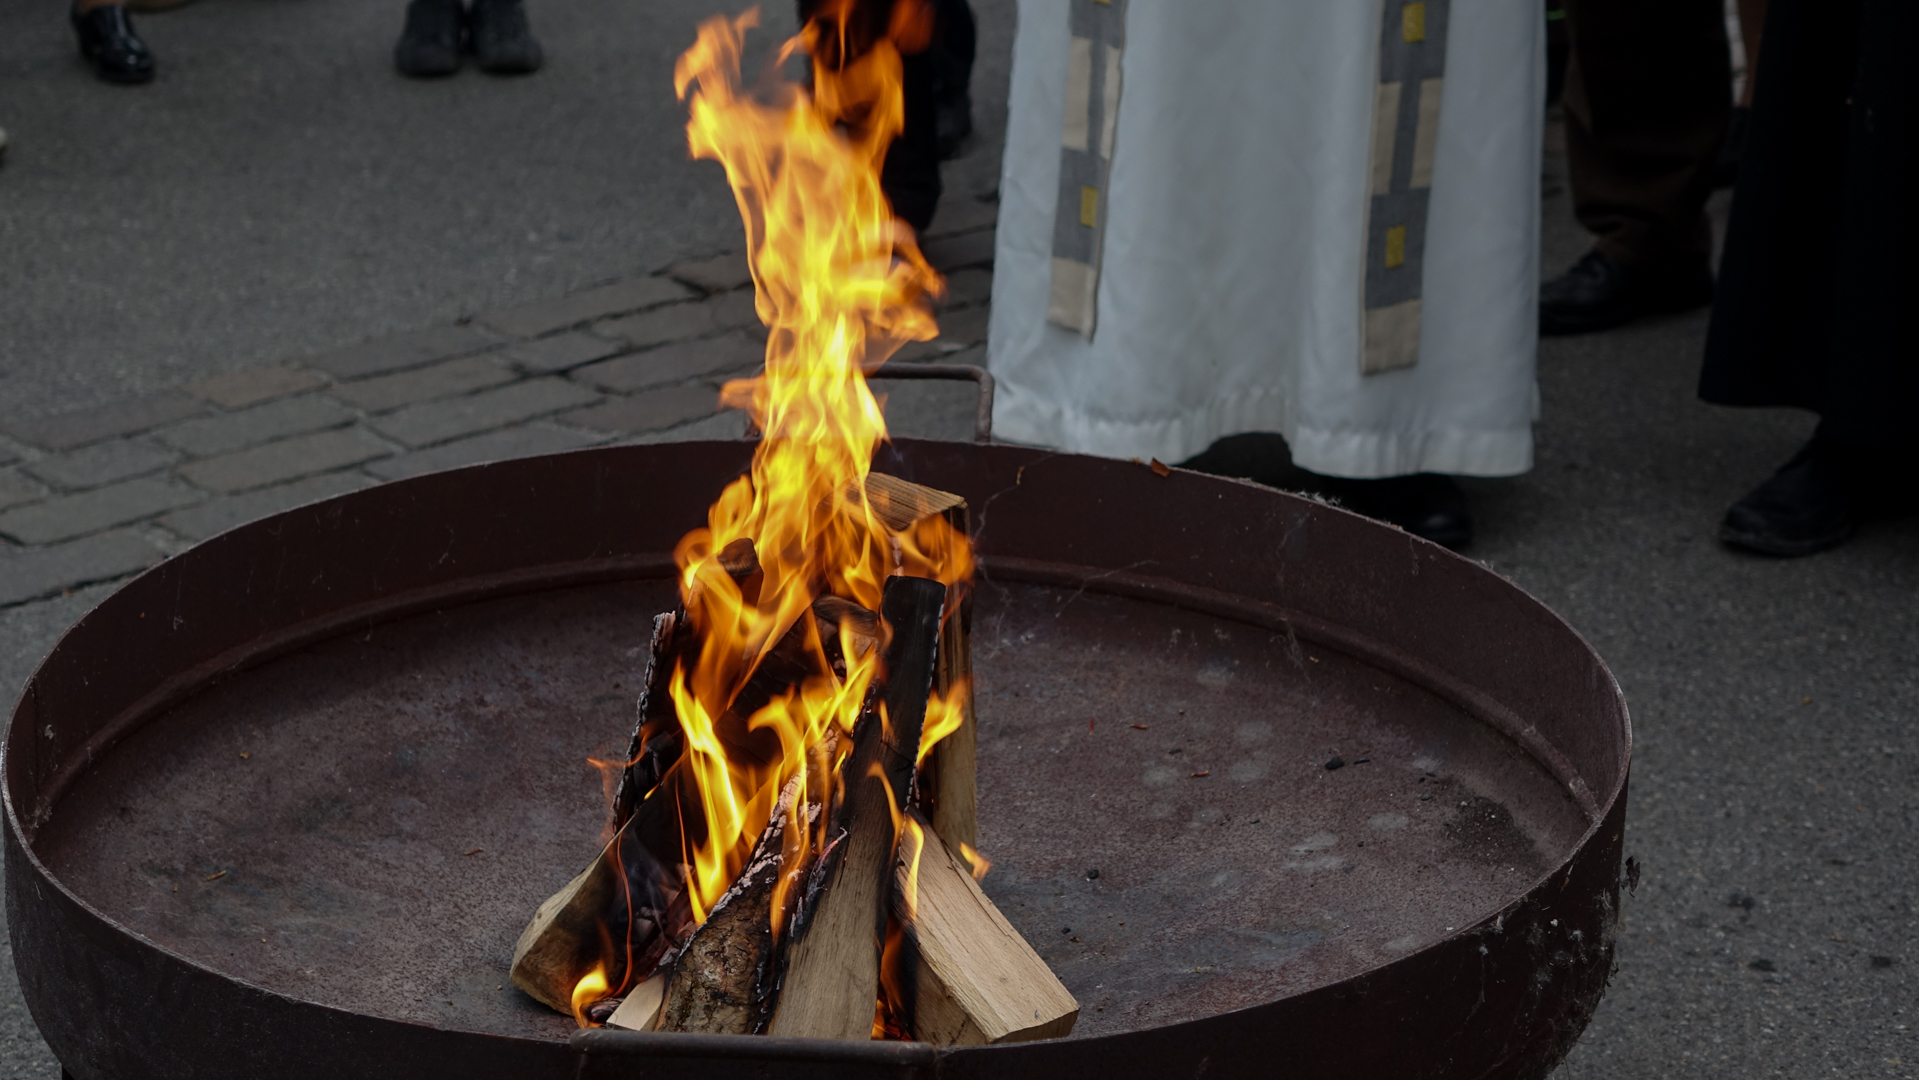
1600,292
1427,505
430,44
108,42
1809,505
502,40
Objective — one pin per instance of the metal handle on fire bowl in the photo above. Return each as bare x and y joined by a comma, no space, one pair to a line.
982,418
895,369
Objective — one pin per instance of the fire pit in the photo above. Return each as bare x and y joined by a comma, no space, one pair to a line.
1272,788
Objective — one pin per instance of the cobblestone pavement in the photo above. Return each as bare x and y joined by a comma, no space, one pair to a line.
94,494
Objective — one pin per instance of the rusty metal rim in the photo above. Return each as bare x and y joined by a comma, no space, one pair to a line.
654,566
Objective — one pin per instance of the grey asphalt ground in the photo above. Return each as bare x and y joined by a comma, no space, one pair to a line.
280,192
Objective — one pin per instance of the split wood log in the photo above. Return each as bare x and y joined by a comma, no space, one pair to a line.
598,920
723,981
572,931
640,1009
947,792
656,738
844,624
975,980
831,983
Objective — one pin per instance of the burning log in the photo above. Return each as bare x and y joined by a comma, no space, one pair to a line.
629,904
656,738
832,971
723,981
569,935
948,792
974,979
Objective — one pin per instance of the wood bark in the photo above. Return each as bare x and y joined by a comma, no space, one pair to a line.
831,982
600,919
975,980
723,981
597,916
656,737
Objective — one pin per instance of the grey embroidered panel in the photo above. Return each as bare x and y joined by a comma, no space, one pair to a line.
1085,160
1412,67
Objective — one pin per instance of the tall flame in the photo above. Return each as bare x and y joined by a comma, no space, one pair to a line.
840,285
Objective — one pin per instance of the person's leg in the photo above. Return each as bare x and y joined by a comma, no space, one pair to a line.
502,40
910,175
429,44
955,41
1816,273
1648,95
108,42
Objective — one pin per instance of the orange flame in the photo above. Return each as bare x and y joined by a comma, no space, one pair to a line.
591,988
943,717
841,285
976,863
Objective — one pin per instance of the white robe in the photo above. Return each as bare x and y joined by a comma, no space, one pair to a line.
1229,296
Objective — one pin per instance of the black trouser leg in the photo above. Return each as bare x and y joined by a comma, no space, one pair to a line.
1647,98
911,175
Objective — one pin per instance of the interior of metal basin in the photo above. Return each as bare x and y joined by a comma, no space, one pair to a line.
367,822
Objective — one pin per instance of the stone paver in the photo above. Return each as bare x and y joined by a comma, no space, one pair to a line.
16,488
532,320
959,330
513,442
254,385
220,434
961,215
29,575
562,352
654,411
210,519
951,253
102,463
717,274
661,325
735,309
240,446
725,425
424,384
65,431
674,363
401,351
92,511
439,421
968,287
288,459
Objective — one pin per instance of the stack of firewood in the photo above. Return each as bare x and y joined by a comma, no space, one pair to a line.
879,931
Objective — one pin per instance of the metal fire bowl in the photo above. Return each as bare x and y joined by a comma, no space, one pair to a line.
280,806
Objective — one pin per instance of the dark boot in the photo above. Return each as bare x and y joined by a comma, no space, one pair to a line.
1809,505
502,40
1428,505
430,44
1600,292
108,42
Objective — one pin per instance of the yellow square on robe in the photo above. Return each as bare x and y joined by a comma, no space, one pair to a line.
1412,21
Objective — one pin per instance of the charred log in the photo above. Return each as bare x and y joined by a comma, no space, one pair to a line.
723,981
